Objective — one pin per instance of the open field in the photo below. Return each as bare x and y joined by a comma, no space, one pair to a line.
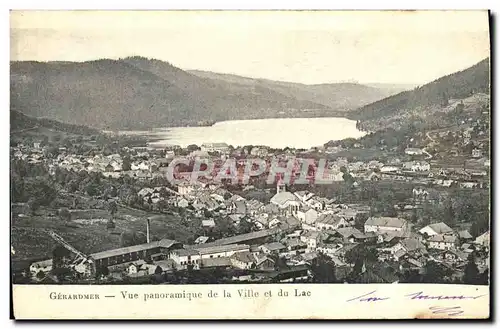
87,231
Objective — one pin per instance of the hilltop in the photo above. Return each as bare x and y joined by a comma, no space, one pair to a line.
137,92
341,97
427,103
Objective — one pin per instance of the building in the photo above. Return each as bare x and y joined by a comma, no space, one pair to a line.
312,239
414,151
264,262
134,253
286,202
477,153
208,223
273,247
435,229
196,256
442,242
307,215
330,222
294,274
215,147
416,166
385,224
388,168
243,260
483,239
44,266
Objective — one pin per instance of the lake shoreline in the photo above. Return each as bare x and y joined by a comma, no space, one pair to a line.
294,132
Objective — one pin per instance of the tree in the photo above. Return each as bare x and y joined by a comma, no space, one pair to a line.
33,205
112,208
323,269
59,256
132,238
110,225
361,252
64,214
245,226
193,147
162,205
471,272
101,271
435,273
126,164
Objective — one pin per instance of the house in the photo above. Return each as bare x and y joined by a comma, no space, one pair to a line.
442,241
197,255
312,239
408,245
199,154
182,202
420,194
273,247
464,235
307,215
135,267
483,239
259,151
385,224
329,248
435,229
208,223
44,266
453,256
389,168
215,147
477,153
219,262
295,246
243,260
329,222
416,166
414,151
239,207
264,262
350,234
109,168
333,175
201,239
185,188
467,247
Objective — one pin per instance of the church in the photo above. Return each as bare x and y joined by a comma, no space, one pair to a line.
287,202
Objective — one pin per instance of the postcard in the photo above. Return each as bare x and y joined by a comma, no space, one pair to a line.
250,164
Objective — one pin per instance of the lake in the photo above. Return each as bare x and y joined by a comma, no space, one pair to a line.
276,133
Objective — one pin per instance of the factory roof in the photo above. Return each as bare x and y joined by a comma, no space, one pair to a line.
163,243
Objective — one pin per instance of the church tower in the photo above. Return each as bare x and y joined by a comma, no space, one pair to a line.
280,186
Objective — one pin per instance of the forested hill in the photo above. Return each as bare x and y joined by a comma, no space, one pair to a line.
137,92
341,97
459,85
20,123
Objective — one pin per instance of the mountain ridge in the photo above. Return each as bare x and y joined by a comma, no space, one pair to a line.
137,92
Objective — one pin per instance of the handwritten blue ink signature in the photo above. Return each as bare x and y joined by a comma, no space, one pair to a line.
371,297
364,298
421,296
450,311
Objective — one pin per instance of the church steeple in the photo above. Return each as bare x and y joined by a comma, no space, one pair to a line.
280,186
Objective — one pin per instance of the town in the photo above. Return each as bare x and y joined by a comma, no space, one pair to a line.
400,206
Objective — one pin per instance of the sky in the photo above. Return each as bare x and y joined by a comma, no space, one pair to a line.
408,47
